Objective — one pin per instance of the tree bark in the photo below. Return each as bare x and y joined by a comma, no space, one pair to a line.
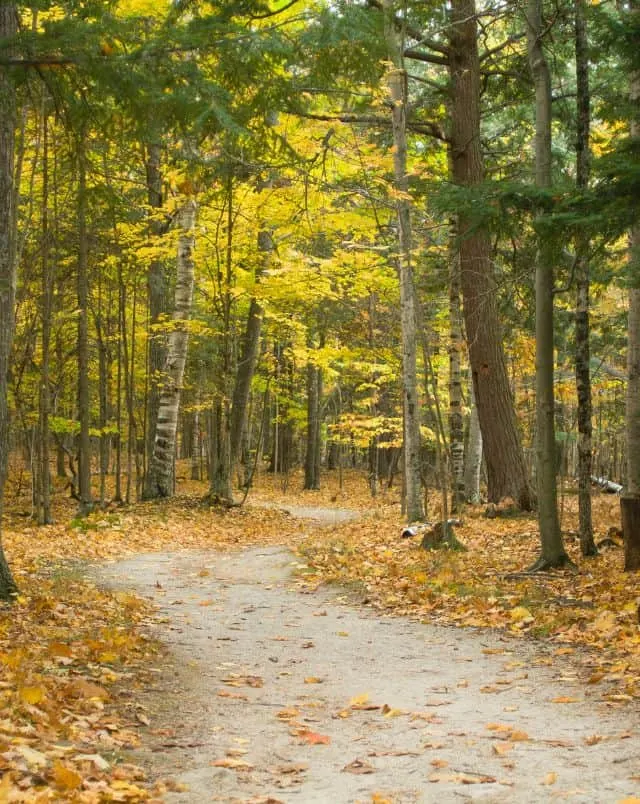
159,480
44,471
312,458
397,83
630,502
506,468
583,371
84,402
473,456
248,360
456,428
552,548
157,298
8,28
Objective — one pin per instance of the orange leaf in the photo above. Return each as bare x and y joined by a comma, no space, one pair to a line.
313,738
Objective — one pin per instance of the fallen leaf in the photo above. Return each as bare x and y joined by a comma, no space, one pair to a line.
462,778
32,695
550,778
81,688
226,694
232,763
287,714
562,699
312,737
439,763
65,778
359,766
313,680
502,748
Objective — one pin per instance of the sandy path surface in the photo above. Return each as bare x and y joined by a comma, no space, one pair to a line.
276,695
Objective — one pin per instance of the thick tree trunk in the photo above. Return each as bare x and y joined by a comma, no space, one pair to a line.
397,83
8,28
84,402
583,373
552,548
159,480
630,502
506,468
473,456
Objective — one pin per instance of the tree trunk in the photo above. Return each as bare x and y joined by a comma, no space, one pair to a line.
158,302
84,401
248,360
583,373
8,28
552,548
473,456
506,468
456,428
630,502
397,83
159,480
312,458
44,471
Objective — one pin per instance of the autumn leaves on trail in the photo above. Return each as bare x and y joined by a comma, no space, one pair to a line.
73,656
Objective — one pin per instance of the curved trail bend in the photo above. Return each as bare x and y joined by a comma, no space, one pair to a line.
273,695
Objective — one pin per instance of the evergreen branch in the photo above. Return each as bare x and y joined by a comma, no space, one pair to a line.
431,129
422,55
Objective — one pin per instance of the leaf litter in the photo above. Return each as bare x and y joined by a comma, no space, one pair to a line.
73,656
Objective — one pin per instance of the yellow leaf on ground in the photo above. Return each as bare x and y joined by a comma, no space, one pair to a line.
550,778
65,778
232,763
521,614
32,695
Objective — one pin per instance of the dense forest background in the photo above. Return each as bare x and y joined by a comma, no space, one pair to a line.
400,237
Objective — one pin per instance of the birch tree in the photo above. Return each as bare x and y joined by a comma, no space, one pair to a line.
159,480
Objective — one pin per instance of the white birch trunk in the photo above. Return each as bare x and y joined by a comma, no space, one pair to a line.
473,456
159,481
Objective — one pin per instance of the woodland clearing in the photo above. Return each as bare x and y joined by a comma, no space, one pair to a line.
79,716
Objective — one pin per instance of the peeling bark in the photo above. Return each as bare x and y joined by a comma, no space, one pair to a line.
159,480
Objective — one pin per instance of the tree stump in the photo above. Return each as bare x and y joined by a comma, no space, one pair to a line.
441,535
630,512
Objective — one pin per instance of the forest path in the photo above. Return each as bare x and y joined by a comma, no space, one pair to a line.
274,695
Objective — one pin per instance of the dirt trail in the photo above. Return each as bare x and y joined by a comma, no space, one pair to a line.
283,685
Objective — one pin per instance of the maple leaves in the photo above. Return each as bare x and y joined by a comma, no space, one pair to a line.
73,656
486,587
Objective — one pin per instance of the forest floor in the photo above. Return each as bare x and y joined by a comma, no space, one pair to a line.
172,652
